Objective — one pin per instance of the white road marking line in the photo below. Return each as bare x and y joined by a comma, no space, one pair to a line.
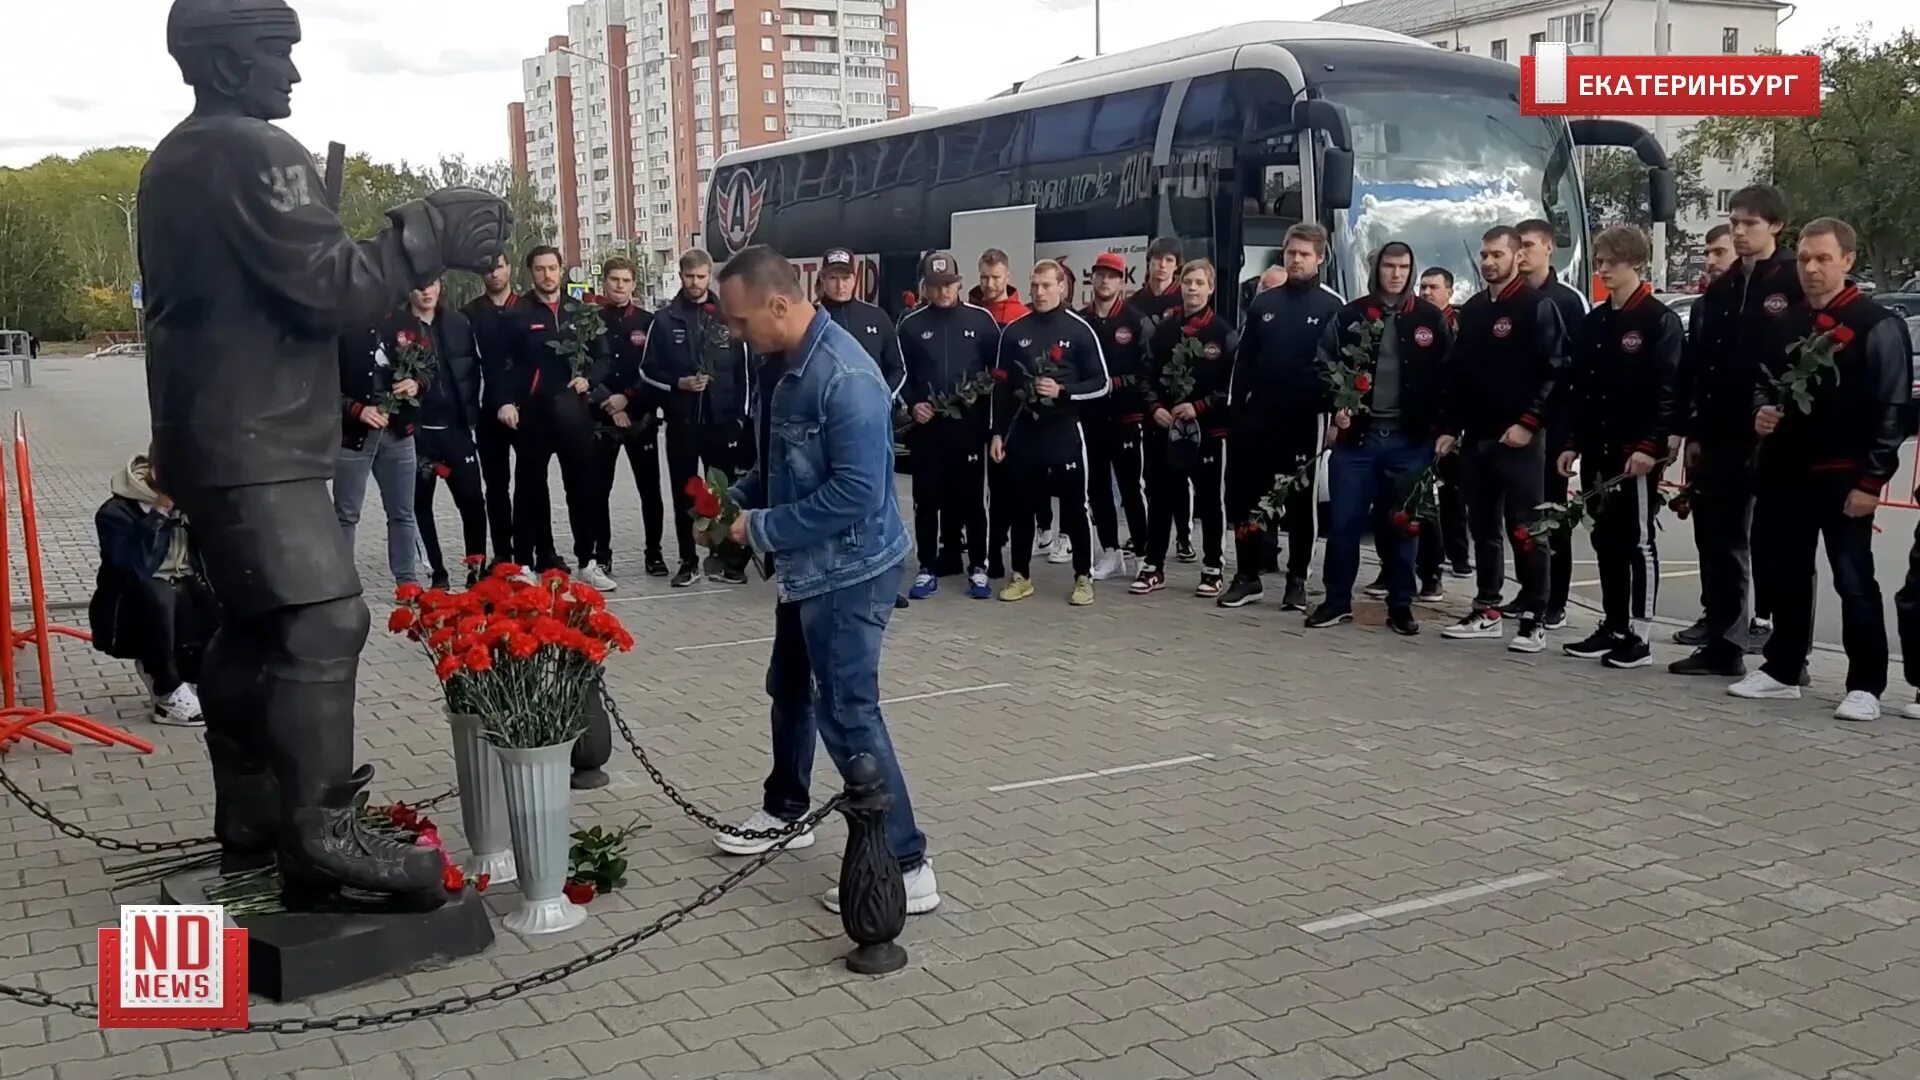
1097,773
1596,581
722,644
666,596
1452,896
947,693
1663,562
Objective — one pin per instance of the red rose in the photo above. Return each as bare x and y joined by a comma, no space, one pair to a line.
1841,335
481,881
443,471
1055,353
707,505
999,375
1682,507
405,339
1823,321
579,892
1401,520
1413,528
1373,314
708,307
452,878
1362,382
696,487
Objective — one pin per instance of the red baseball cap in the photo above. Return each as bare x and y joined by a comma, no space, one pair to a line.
1110,260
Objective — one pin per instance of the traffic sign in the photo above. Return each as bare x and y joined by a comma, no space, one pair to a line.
139,297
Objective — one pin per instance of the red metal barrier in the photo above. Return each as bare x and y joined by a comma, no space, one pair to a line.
18,721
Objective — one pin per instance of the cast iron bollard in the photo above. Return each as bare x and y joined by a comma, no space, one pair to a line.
595,745
873,898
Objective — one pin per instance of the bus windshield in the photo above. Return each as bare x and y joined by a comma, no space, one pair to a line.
1436,169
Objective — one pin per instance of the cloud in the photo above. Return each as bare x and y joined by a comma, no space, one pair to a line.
73,104
365,57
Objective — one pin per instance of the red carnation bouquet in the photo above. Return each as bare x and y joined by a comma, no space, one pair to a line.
520,656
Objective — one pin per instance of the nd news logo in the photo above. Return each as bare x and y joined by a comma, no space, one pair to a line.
170,966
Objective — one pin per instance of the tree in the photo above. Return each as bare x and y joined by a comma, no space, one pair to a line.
36,276
1859,160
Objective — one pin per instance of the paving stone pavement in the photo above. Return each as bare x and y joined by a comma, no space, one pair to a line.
1635,876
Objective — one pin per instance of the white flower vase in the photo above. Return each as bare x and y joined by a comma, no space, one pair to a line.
483,801
540,819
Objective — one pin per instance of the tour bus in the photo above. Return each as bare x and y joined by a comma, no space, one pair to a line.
1223,139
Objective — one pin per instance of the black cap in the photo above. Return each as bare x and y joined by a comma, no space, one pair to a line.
837,258
939,268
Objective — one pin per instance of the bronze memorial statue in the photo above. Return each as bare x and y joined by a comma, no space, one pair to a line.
250,280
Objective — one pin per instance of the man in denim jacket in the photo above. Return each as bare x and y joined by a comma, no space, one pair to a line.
822,500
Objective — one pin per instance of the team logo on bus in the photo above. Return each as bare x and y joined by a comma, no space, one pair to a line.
1631,341
1776,303
1502,326
1422,336
738,205
1123,336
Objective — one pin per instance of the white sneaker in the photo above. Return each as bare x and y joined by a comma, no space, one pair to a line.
1477,624
1531,637
593,575
181,708
1858,706
1912,711
526,576
1061,551
1760,686
1111,564
923,892
1043,541
733,844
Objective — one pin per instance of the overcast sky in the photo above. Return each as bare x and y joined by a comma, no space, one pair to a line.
415,79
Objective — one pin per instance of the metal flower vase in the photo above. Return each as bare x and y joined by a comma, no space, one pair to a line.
483,801
540,819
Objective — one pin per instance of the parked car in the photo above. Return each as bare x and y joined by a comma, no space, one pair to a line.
1904,301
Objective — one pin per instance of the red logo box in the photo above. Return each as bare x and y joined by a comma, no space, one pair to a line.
169,966
1554,82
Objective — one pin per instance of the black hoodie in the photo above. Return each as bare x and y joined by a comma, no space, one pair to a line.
875,332
691,337
1276,370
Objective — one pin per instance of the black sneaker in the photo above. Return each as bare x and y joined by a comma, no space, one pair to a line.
1555,620
1184,550
1629,652
1402,622
1530,638
1461,570
1693,636
689,575
996,566
1150,579
1295,598
1325,616
900,602
733,575
1433,592
1376,589
656,564
441,580
1594,646
1711,662
1758,631
1242,592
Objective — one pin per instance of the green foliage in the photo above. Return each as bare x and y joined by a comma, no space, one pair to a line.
36,277
1616,183
599,857
1859,160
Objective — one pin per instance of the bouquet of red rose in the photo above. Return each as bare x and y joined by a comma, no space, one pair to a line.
412,359
1562,517
1045,367
520,656
581,334
954,404
1273,505
1352,377
1813,358
1421,504
714,511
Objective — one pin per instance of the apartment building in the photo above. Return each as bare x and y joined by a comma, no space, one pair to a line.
1508,29
621,120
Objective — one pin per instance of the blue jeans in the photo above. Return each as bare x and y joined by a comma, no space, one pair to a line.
1375,468
389,460
824,678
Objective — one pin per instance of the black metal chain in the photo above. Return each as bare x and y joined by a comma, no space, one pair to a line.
460,1003
679,800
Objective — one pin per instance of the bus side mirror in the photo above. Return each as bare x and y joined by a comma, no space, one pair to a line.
1336,178
1662,199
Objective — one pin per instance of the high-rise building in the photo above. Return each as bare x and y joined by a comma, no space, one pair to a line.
622,119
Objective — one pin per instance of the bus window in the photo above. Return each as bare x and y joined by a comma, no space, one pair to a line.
1060,131
1127,121
1209,114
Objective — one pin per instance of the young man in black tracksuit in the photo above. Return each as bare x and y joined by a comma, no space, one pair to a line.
1822,466
493,439
1050,362
1186,429
1277,421
552,417
1159,298
629,419
707,378
869,325
1617,408
1510,349
1381,448
1535,260
1113,424
948,345
1732,327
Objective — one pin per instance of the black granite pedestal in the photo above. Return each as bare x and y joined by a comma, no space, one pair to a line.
295,956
